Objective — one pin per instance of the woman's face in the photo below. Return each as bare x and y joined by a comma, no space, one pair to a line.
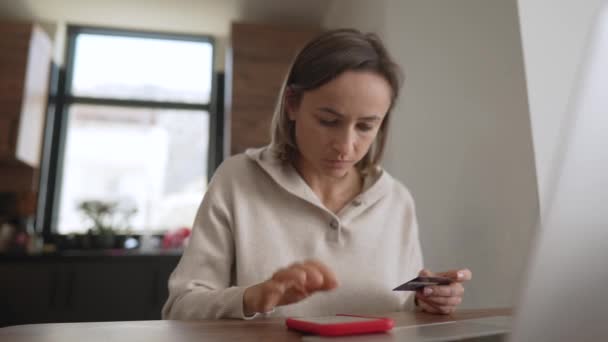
336,123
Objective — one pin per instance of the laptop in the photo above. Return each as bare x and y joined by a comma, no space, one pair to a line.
565,294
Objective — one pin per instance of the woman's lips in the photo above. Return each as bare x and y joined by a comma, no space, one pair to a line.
338,164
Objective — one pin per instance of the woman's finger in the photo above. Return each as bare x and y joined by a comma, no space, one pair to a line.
459,275
329,278
440,301
446,310
436,309
452,290
272,294
293,275
294,283
425,306
314,277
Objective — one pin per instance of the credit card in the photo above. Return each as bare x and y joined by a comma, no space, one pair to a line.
421,282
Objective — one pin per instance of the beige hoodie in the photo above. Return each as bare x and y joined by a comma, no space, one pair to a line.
259,215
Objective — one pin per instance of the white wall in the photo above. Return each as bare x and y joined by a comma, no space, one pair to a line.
461,137
554,34
365,15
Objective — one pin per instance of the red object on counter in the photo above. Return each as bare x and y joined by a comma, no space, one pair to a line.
340,325
176,238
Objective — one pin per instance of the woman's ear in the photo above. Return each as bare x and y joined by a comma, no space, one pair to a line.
291,103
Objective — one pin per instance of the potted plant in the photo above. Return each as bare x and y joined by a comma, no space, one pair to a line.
106,219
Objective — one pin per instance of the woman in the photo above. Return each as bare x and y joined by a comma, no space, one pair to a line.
311,225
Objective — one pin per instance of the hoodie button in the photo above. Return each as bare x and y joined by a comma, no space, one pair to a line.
334,224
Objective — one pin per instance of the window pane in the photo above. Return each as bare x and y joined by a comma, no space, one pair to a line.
152,160
142,68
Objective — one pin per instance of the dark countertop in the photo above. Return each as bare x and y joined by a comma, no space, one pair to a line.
73,255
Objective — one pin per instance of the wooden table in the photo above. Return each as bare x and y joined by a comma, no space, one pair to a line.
272,329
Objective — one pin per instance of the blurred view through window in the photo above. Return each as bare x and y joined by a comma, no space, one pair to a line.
137,129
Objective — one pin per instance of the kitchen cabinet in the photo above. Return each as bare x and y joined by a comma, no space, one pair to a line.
45,289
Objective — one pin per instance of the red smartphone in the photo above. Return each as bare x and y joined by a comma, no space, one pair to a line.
340,325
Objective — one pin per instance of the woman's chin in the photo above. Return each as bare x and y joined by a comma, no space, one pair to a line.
337,172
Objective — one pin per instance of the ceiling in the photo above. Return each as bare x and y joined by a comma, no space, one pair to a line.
208,17
200,16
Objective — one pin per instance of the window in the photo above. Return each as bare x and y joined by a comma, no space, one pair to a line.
136,129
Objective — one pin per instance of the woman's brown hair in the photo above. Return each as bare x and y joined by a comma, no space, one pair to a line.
319,62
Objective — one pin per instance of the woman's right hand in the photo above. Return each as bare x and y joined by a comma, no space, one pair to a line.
288,285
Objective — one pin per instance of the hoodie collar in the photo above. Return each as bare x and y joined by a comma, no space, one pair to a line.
375,186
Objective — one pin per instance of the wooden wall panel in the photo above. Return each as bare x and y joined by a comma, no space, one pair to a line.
25,61
6,137
25,57
18,177
14,47
261,56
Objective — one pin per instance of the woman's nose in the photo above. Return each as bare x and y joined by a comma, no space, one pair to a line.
343,142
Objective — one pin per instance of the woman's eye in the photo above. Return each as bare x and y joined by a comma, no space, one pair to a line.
364,127
328,122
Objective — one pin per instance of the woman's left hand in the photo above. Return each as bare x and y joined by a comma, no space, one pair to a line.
443,299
